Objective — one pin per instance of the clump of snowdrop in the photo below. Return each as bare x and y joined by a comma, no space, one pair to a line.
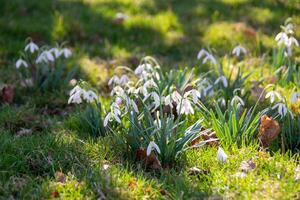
286,39
91,117
43,66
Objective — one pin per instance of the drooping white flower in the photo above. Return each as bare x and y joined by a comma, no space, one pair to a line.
75,95
221,155
143,67
185,107
121,16
56,52
292,41
282,109
209,58
156,99
66,52
288,29
150,83
41,58
202,53
168,101
238,100
222,101
20,62
89,96
176,97
195,95
281,38
294,97
119,91
152,146
134,106
113,114
124,79
223,80
31,47
45,56
272,95
238,50
114,79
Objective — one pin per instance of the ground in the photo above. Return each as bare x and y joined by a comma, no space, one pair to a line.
58,160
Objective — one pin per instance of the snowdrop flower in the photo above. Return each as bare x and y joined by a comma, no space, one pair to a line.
272,95
185,107
20,63
221,155
75,95
195,95
45,56
238,50
143,67
208,91
223,80
294,97
152,146
124,79
109,117
41,58
282,109
238,100
202,53
89,96
292,41
31,47
155,97
66,52
118,91
281,38
210,58
114,79
207,57
134,106
176,97
121,16
288,28
150,83
222,101
168,101
56,52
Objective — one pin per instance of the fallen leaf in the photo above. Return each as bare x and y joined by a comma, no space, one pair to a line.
54,194
150,161
268,131
7,94
24,132
60,177
132,184
196,171
247,165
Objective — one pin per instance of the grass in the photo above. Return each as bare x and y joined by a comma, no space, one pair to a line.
172,31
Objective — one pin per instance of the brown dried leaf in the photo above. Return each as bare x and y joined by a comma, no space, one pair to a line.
150,161
247,165
24,132
196,171
268,131
7,94
54,194
60,177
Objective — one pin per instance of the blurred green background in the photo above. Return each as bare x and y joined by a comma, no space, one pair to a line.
171,30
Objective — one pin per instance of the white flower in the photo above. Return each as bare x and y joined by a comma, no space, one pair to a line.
124,79
56,52
32,47
75,95
288,29
156,99
168,101
176,97
292,41
210,58
89,96
222,101
66,52
121,16
152,146
281,38
238,50
150,83
114,79
118,91
195,95
143,67
221,155
238,100
202,53
20,63
294,97
185,107
282,109
223,79
272,95
45,56
114,114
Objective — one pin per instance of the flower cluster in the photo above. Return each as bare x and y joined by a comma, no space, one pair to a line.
78,94
285,38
